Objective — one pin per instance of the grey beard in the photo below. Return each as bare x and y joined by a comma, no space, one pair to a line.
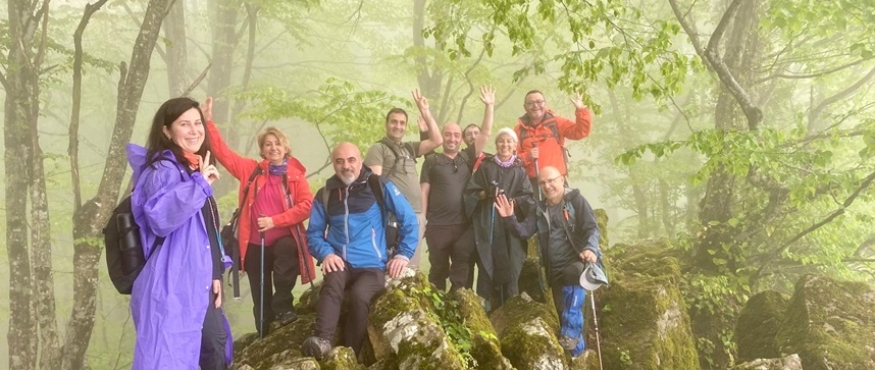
346,179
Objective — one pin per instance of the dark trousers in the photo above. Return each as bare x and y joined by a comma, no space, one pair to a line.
442,241
281,268
213,338
564,276
464,257
363,285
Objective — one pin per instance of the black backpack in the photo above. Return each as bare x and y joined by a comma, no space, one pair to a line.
393,236
124,251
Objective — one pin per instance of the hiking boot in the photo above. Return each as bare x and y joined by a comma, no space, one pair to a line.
287,317
568,343
316,347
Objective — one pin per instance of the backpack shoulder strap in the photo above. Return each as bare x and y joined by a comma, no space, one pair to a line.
377,188
326,194
409,146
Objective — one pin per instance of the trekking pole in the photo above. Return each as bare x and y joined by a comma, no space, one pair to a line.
595,321
541,282
261,297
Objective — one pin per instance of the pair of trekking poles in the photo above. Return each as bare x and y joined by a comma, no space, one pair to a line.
595,320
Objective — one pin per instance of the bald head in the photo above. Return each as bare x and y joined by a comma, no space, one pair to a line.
452,134
552,184
347,161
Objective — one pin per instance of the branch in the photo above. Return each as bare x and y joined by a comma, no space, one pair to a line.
73,130
691,32
813,115
197,81
714,42
3,81
812,75
847,203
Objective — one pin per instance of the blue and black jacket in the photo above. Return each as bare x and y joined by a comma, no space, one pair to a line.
352,227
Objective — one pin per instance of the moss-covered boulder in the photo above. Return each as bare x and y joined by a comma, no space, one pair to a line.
588,361
830,324
791,362
341,358
307,301
402,326
280,347
485,347
533,281
601,217
305,363
757,326
643,320
527,331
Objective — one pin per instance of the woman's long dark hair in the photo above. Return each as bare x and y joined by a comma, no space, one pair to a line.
157,142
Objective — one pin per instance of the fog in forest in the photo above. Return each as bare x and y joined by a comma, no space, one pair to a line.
741,131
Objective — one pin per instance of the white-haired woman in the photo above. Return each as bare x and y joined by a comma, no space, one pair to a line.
500,254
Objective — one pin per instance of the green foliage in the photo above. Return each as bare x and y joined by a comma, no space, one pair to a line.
447,313
337,109
608,44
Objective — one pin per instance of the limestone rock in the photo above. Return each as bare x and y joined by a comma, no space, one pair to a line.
830,324
757,326
791,362
280,347
527,331
341,358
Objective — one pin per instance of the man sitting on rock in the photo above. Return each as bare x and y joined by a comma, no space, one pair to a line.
568,236
347,236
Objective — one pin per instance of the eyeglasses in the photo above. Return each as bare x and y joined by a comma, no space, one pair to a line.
549,181
536,102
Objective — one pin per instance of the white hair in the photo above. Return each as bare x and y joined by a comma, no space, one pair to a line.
509,132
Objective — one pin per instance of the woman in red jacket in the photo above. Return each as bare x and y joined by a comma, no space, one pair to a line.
277,203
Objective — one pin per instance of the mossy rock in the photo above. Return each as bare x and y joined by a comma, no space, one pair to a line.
601,217
791,362
242,343
303,363
486,350
281,345
341,358
520,309
757,326
404,328
308,300
532,345
644,325
471,311
531,278
830,324
527,331
589,360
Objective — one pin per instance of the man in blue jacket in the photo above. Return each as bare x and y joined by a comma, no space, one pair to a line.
347,236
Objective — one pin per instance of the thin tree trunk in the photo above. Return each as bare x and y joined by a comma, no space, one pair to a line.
88,219
429,79
20,110
639,185
177,52
224,44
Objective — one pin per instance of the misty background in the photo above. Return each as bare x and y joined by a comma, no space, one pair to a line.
742,131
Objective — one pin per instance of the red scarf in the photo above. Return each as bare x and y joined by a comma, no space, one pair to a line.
193,159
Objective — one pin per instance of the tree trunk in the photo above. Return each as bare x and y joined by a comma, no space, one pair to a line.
21,108
89,219
177,52
429,77
219,79
639,185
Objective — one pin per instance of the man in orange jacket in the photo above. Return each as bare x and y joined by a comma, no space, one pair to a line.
542,133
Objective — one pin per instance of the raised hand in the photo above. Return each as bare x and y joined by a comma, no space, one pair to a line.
207,109
421,101
423,126
504,206
209,171
577,100
487,95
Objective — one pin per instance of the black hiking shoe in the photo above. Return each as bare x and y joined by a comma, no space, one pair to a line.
287,317
316,347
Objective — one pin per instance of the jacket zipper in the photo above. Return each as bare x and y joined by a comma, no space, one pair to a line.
346,221
374,243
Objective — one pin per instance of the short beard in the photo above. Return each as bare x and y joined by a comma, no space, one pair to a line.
346,179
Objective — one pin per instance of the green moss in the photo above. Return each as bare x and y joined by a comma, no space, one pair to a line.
532,345
472,312
646,327
389,305
262,354
530,283
517,311
341,358
831,324
486,350
757,326
602,219
428,349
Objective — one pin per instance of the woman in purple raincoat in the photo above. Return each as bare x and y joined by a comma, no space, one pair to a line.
176,299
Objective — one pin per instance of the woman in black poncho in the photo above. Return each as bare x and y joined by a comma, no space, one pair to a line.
500,254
